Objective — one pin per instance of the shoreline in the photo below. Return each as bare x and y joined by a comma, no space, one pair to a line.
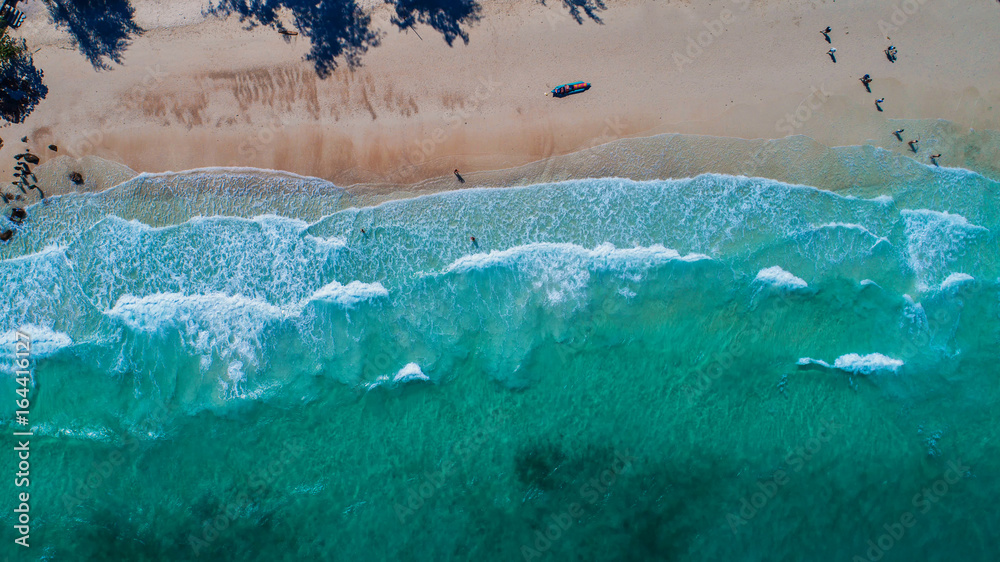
792,160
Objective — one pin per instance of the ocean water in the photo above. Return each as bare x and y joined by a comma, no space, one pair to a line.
225,367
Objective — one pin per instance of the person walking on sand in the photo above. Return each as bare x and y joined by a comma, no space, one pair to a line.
826,34
833,54
459,176
878,103
899,134
934,158
866,79
913,144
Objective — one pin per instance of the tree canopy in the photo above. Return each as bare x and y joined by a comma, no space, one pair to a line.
21,86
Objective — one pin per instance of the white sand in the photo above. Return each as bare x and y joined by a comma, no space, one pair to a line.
196,91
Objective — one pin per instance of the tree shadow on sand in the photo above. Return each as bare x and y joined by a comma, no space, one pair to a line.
102,29
445,16
21,86
579,8
338,29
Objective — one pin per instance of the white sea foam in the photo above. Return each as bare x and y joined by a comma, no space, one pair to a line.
410,372
778,277
867,364
331,243
604,256
811,361
87,433
48,252
563,270
858,364
956,279
850,226
876,239
267,257
934,241
276,222
44,342
153,312
351,294
230,325
237,172
235,371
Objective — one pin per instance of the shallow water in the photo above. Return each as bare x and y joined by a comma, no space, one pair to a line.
713,368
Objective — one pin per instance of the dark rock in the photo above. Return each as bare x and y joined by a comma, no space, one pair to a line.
18,215
6,235
53,148
76,177
31,158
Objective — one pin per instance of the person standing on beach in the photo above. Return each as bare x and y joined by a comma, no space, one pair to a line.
826,33
833,53
878,103
899,134
867,79
913,144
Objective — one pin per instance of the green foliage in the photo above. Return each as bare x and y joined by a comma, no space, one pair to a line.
10,48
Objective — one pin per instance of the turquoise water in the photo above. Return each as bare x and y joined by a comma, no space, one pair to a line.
718,368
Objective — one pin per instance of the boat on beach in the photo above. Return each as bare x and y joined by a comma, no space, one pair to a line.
568,89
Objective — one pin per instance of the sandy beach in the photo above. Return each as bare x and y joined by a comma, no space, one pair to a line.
196,90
